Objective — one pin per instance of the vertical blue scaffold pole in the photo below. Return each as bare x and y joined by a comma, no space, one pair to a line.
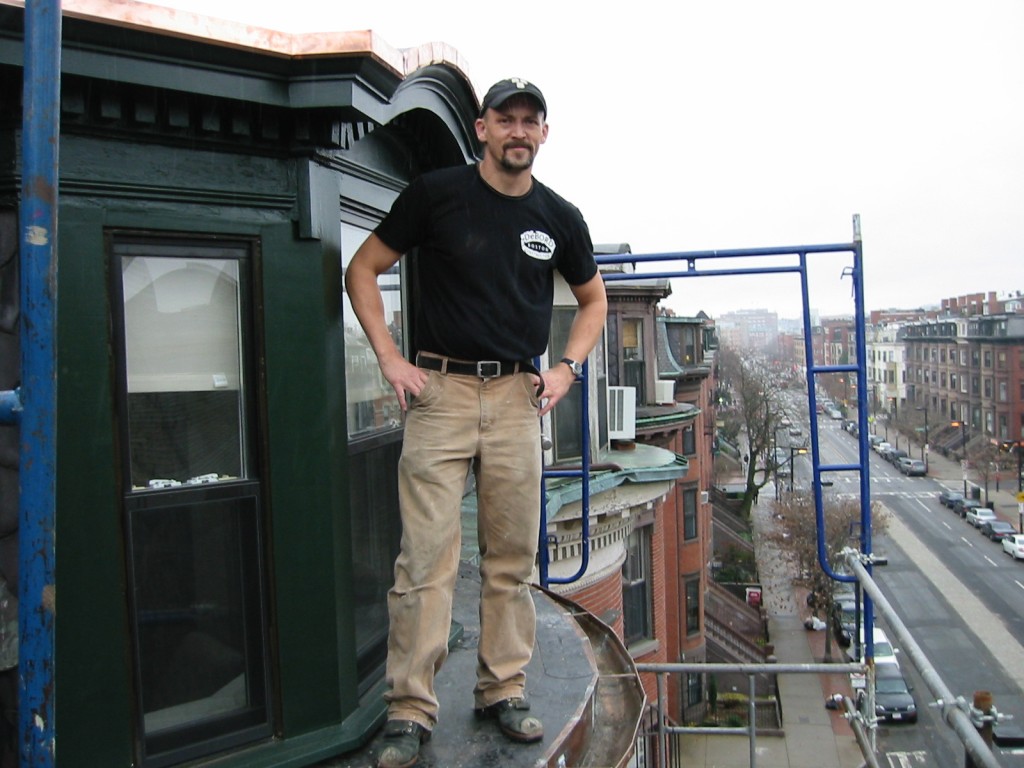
37,471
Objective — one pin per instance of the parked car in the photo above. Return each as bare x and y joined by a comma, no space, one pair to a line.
978,515
897,456
915,468
874,440
997,530
882,447
893,700
1014,546
902,463
961,506
884,651
844,620
885,655
949,498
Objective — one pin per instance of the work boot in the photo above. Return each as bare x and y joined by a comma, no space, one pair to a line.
402,739
514,719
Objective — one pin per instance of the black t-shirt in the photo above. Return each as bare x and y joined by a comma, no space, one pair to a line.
486,262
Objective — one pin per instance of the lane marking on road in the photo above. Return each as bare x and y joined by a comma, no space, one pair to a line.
1018,584
987,626
907,759
965,541
993,562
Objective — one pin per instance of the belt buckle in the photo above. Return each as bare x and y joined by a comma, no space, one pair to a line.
485,365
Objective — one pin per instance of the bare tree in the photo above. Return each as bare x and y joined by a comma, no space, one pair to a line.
758,410
984,464
795,534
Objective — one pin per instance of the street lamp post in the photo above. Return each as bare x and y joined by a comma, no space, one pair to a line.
963,447
775,461
924,446
1020,468
793,451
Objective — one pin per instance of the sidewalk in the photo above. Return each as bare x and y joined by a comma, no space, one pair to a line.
814,737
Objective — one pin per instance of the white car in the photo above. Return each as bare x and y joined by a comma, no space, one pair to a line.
885,653
1014,546
979,515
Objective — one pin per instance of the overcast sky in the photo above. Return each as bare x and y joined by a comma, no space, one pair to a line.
709,125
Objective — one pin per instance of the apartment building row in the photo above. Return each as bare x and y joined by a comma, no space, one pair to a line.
961,362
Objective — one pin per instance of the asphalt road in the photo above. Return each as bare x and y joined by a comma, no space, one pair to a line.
959,595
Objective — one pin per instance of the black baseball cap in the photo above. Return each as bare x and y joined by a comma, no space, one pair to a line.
502,90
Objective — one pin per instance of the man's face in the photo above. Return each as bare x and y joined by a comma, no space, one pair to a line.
512,133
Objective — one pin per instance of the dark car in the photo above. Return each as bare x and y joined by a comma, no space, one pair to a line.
950,498
895,456
893,700
962,506
997,530
915,468
844,619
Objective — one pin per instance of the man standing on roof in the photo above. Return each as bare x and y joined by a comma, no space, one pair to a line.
489,239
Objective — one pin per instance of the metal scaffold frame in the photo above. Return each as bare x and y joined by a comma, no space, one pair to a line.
956,712
801,252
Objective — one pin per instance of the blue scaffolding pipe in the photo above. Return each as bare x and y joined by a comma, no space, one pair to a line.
801,252
704,273
728,253
38,391
544,560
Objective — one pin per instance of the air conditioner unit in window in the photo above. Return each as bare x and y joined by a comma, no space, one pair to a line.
622,413
664,392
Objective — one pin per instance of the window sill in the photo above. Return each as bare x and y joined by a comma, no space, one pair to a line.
643,648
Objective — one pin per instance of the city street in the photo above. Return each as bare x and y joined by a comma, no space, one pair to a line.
960,596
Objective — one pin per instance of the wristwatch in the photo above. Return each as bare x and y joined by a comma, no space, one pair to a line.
576,368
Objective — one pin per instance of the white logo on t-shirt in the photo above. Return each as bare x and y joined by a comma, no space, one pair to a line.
537,245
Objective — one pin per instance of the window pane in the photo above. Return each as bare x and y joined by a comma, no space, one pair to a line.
198,620
567,417
194,559
636,586
689,514
376,533
183,365
372,403
692,606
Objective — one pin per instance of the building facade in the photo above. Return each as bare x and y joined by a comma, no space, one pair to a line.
886,368
968,369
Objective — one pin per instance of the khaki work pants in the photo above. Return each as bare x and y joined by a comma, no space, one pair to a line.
458,422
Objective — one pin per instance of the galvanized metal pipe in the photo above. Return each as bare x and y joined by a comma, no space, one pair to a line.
37,472
860,733
955,711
